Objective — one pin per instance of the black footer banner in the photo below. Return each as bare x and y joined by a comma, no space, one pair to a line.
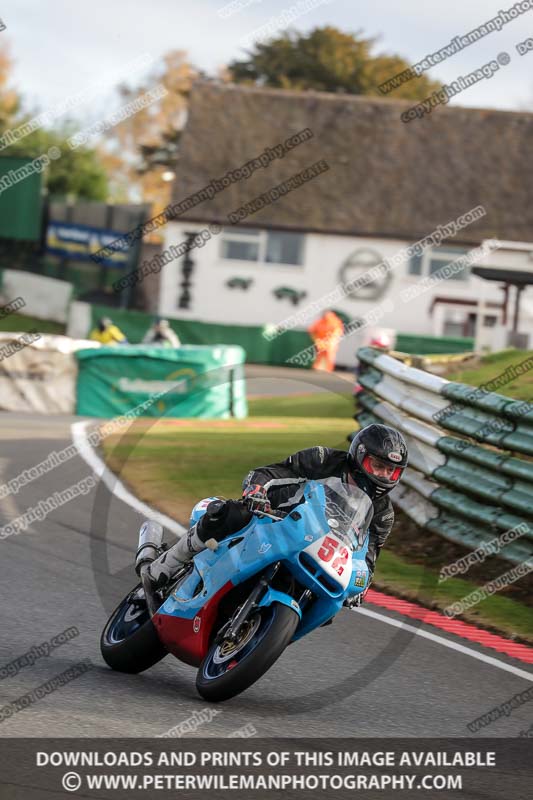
192,767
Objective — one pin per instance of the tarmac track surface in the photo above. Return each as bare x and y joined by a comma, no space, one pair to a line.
357,677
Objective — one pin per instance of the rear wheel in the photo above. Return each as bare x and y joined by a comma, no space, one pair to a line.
231,667
129,641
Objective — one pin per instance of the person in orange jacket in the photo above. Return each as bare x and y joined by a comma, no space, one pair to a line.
326,334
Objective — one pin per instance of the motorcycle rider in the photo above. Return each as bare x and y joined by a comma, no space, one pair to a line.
374,462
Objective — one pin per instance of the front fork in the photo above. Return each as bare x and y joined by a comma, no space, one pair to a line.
270,595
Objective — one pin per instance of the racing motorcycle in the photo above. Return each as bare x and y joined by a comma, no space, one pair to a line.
233,610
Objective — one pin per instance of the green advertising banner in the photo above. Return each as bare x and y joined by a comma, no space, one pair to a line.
192,381
20,199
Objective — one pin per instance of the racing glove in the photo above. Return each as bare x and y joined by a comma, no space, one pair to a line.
256,498
356,600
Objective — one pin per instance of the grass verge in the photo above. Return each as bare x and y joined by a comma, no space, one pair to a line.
415,582
493,365
20,323
320,404
174,463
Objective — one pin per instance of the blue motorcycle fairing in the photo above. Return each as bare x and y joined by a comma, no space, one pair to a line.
263,542
273,596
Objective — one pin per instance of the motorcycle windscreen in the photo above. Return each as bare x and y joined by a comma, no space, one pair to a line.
348,512
347,508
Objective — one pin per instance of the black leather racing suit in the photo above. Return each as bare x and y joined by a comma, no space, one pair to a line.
285,482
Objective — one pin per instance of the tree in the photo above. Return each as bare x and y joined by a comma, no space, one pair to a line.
9,99
327,60
79,172
148,140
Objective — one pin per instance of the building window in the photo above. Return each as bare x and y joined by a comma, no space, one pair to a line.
284,248
434,259
241,244
459,323
453,329
269,247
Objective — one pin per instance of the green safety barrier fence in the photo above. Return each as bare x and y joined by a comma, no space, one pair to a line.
259,350
469,488
432,345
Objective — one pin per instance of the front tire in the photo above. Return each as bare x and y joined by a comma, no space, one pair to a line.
129,641
227,670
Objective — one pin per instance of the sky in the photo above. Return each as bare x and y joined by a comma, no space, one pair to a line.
62,46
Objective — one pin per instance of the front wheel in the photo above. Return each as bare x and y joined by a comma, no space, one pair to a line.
129,641
231,667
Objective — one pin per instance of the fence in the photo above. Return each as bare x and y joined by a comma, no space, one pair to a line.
466,480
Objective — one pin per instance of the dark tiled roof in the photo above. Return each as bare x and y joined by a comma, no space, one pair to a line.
386,178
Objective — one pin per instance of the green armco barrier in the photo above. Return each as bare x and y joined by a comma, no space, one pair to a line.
461,505
467,534
519,415
259,350
368,355
369,378
491,459
462,393
432,345
519,409
493,430
484,484
468,492
482,473
485,416
203,382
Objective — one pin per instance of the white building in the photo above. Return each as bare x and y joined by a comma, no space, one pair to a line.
387,186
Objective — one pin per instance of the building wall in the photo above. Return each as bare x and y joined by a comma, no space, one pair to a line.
324,256
147,291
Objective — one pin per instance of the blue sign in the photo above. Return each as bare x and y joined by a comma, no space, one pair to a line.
79,242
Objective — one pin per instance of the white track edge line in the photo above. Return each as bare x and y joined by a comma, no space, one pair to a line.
461,648
115,486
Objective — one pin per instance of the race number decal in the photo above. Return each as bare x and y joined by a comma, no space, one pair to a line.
340,563
334,558
328,548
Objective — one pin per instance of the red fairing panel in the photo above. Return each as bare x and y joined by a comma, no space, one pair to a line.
188,639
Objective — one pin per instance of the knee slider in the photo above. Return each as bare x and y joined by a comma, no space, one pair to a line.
209,525
222,518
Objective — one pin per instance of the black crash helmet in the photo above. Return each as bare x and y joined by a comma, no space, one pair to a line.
380,453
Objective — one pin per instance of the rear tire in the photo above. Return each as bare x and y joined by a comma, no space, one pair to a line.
129,641
223,676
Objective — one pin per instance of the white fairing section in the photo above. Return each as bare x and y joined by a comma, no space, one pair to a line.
333,556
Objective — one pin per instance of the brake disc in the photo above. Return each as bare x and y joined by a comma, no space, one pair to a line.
228,649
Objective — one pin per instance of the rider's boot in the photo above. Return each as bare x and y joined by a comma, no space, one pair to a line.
166,566
221,518
200,536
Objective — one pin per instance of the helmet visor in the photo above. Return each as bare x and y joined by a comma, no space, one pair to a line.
373,465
